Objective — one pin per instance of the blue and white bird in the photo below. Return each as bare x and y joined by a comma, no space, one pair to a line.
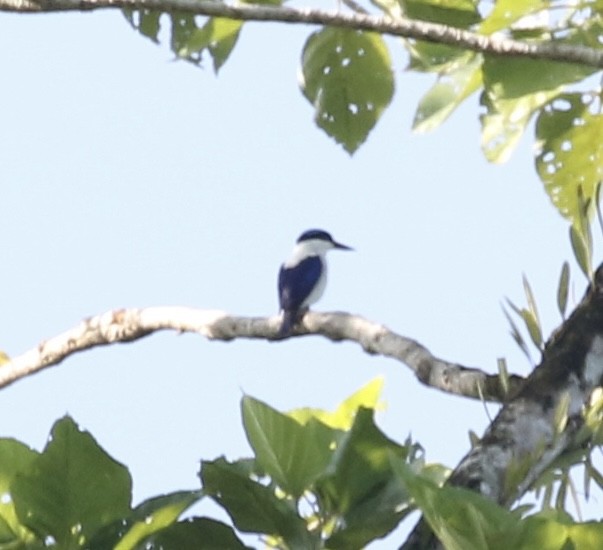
303,277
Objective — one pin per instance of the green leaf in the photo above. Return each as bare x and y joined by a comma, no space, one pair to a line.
511,99
560,414
570,152
145,21
147,518
587,535
440,58
531,322
503,374
435,58
515,331
360,462
343,418
582,251
451,89
563,289
460,518
592,430
507,12
581,237
347,77
531,303
533,327
597,202
72,488
155,514
558,533
218,36
360,487
505,77
252,506
293,455
392,8
15,457
505,122
456,13
474,439
195,534
184,26
372,518
264,2
596,476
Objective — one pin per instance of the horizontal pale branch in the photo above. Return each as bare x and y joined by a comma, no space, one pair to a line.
126,325
407,28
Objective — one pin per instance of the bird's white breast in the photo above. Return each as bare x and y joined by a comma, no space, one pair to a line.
303,250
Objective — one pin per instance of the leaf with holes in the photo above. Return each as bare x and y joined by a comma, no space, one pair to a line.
347,77
511,99
451,89
570,152
505,121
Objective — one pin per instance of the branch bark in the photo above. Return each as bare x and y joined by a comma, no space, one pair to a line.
401,26
126,325
526,437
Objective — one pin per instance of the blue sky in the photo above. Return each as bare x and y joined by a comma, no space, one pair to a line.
131,180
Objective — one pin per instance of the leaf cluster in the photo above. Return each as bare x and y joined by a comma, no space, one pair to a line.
74,495
348,77
317,479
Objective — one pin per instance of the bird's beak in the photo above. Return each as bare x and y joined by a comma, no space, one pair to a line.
340,246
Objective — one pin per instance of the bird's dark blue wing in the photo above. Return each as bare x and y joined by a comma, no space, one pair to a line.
296,283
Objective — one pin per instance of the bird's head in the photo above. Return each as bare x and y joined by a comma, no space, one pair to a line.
317,241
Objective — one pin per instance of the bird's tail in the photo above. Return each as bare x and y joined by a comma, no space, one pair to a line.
289,318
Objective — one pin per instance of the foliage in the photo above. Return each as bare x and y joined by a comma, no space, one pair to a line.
347,76
463,519
74,495
335,480
316,480
556,483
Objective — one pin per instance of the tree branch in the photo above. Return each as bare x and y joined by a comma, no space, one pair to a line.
126,325
528,435
407,28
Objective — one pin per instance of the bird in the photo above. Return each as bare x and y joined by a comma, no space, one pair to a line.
303,277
